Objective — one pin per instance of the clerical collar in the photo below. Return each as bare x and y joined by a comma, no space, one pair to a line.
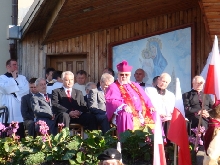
193,90
8,74
160,91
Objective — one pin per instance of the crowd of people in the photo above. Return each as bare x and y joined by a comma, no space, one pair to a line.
62,97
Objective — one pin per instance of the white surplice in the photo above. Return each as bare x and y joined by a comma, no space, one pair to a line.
54,86
163,104
8,86
80,87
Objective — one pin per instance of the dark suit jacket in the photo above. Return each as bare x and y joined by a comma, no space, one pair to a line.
61,103
192,103
41,108
26,110
96,101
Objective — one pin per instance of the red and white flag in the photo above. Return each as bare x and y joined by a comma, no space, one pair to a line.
159,154
212,84
177,132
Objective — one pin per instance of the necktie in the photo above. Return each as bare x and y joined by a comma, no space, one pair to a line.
69,95
46,97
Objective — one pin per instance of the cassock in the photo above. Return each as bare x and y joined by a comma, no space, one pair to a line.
118,97
11,91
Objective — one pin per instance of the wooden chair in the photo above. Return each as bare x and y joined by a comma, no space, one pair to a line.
77,129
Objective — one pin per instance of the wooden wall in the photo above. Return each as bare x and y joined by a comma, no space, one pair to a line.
96,43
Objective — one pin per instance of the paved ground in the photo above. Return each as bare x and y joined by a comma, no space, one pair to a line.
199,156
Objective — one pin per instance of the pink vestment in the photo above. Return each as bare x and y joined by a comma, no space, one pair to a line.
115,102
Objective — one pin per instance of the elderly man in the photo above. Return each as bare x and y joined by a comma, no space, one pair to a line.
193,101
12,87
41,105
96,101
162,99
127,102
69,104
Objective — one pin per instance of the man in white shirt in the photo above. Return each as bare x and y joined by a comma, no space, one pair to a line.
49,73
162,99
57,82
80,81
12,87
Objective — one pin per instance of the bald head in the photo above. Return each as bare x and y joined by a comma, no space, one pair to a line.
139,75
164,80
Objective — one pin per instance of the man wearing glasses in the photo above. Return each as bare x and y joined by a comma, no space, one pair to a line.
127,105
192,101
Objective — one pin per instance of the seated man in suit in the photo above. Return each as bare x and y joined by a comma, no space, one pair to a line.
106,70
69,105
96,101
26,111
192,101
41,105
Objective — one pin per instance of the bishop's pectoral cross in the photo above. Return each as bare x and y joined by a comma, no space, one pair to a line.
135,98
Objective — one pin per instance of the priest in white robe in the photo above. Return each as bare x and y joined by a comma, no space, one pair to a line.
162,100
12,87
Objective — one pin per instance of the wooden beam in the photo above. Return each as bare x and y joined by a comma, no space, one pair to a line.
205,20
52,19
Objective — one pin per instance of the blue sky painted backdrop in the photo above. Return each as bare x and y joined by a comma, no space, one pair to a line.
169,52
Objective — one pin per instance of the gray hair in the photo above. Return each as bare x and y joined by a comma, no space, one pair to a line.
89,85
166,75
38,81
198,77
66,73
107,77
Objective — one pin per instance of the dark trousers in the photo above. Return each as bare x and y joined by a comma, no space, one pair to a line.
30,127
103,121
20,131
87,120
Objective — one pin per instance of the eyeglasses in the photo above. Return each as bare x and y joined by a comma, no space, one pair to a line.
124,75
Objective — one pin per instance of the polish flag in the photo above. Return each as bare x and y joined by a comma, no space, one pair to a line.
177,132
159,154
213,76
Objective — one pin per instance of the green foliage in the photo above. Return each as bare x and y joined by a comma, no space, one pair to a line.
137,146
36,158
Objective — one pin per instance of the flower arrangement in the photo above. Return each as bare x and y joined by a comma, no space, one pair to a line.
192,142
63,149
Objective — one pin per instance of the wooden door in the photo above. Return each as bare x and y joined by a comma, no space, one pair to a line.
71,63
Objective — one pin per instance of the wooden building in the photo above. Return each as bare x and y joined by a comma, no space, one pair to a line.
76,34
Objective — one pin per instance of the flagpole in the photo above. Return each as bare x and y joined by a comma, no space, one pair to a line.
175,151
200,120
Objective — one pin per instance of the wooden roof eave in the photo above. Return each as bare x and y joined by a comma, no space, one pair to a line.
52,19
30,16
